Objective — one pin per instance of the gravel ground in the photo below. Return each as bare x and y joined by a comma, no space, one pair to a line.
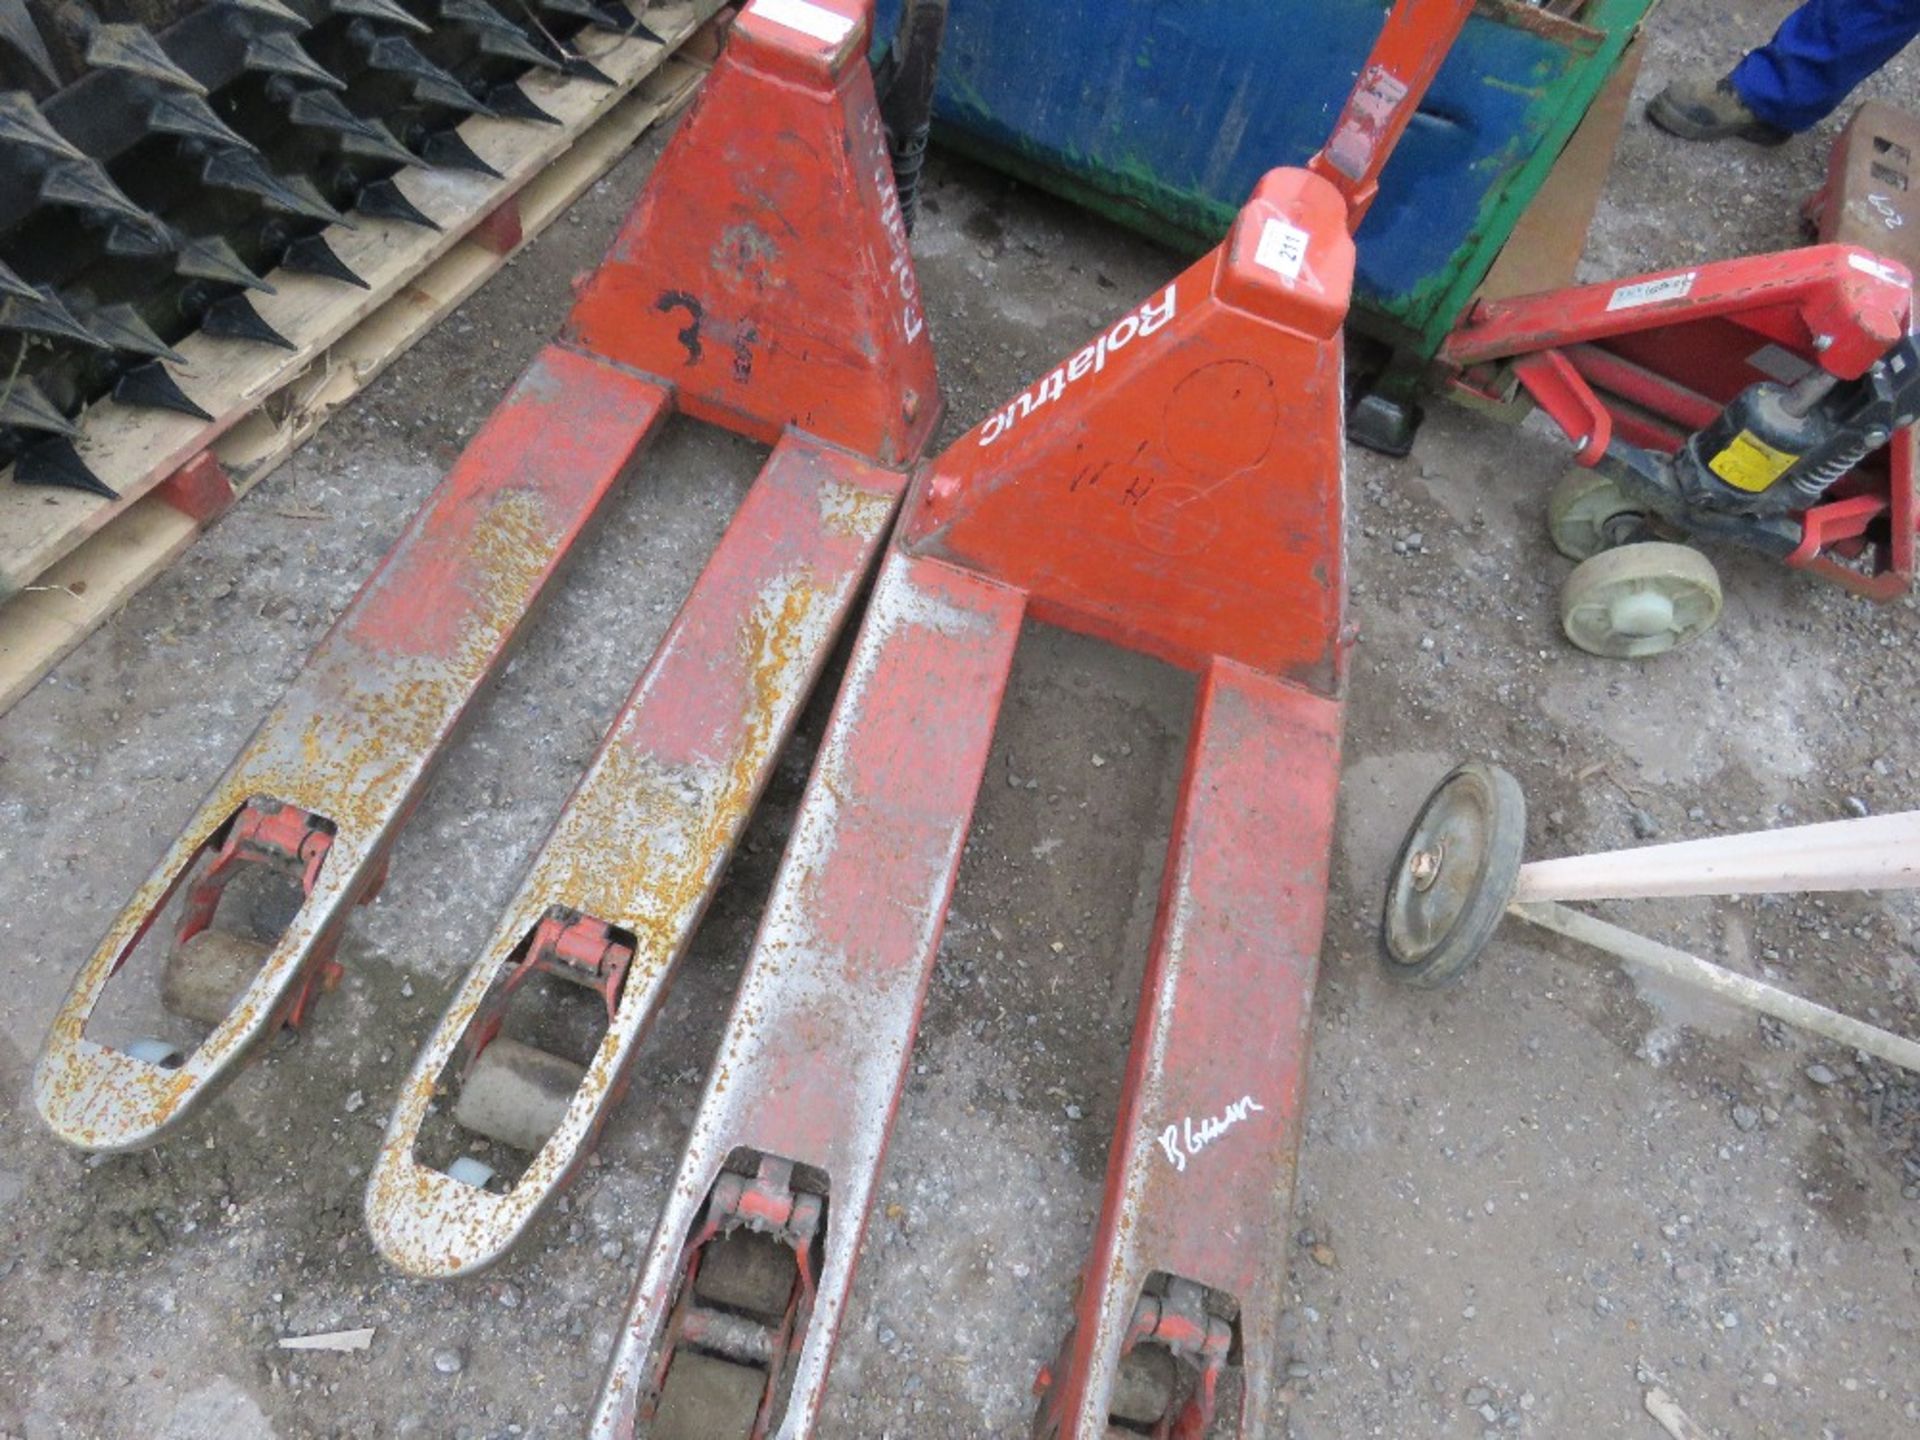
1521,1202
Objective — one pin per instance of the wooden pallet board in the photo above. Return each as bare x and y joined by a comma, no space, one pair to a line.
68,562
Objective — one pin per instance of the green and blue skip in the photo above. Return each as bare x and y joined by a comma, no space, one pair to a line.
1163,113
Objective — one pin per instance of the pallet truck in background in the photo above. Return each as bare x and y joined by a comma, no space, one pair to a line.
1766,402
1175,487
1871,196
764,287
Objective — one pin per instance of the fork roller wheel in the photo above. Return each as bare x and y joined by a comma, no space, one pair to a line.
205,975
747,1272
1144,1389
517,1094
705,1396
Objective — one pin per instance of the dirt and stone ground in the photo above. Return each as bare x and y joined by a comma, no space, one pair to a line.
1521,1202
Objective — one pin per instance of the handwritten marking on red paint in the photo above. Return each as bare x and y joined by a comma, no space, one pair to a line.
1181,1143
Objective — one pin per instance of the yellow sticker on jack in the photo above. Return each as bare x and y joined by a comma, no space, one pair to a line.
1749,463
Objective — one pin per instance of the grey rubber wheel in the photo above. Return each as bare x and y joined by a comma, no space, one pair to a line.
1143,1391
1454,875
1588,513
517,1094
206,975
1640,600
746,1272
705,1396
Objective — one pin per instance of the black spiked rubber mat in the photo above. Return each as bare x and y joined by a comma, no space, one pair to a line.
158,158
218,324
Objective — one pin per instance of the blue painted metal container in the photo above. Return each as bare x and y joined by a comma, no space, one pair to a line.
1163,113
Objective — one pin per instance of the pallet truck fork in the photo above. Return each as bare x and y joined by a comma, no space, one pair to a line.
762,283
1176,487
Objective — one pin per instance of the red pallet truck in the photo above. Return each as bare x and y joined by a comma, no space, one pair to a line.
1766,403
762,283
1174,487
614,895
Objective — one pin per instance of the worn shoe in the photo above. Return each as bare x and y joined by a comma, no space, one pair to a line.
1698,108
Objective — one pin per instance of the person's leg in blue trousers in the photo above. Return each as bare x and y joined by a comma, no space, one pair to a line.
1821,51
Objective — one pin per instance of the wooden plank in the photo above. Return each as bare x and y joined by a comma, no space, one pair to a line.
55,613
134,449
1543,252
52,614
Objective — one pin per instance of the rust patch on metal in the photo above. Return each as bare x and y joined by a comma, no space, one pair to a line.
650,886
345,762
853,512
355,735
645,838
641,844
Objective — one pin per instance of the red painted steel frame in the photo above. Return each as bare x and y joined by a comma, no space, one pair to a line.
765,270
1857,301
1177,487
354,737
815,1054
643,841
1656,357
1174,486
